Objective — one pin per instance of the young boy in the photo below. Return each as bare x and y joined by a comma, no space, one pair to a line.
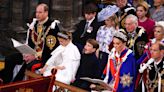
88,27
89,65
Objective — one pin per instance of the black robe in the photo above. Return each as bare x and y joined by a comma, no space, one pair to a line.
89,67
80,41
17,59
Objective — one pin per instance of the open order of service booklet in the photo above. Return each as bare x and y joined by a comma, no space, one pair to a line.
23,48
98,81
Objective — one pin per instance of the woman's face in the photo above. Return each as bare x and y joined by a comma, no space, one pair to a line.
118,45
158,33
108,22
141,12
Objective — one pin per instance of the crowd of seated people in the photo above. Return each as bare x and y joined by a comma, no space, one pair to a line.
121,45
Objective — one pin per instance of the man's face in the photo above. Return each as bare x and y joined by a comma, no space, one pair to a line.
121,3
41,14
88,48
130,25
155,51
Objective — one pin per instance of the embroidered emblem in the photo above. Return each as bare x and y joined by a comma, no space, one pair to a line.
50,41
126,80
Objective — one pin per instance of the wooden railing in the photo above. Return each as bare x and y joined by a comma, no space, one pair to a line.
61,87
40,84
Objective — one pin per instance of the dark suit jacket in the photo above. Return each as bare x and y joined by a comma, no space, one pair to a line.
77,39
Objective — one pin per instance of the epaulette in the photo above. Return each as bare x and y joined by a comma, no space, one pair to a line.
141,31
31,26
53,24
130,8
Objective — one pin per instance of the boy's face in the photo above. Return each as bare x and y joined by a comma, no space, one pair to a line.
88,48
89,16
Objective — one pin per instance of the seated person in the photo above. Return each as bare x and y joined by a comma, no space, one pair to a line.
41,37
86,28
137,37
89,65
120,72
65,58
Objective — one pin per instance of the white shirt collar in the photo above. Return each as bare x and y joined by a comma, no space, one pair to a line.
90,21
157,62
42,22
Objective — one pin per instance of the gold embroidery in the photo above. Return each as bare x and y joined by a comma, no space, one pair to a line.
25,90
122,20
152,84
126,80
38,39
132,41
50,41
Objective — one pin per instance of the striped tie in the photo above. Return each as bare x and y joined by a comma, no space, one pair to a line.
85,29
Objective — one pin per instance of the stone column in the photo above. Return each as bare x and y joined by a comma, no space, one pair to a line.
5,13
67,11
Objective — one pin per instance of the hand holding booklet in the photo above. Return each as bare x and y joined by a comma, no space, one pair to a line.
98,81
23,48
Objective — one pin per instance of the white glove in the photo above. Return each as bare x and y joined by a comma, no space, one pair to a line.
147,65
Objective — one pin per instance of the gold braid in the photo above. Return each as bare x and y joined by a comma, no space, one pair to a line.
41,37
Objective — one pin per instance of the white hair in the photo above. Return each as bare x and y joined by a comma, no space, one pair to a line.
133,18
